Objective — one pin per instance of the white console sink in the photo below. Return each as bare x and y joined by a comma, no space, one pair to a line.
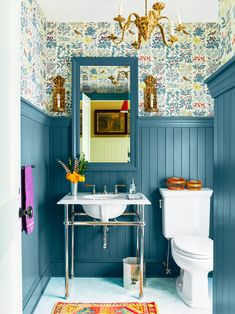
103,206
106,206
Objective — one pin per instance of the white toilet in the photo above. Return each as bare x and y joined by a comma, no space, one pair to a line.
186,220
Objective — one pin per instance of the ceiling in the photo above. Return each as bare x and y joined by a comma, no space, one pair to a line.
104,10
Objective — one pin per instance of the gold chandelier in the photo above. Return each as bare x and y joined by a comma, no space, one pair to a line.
146,25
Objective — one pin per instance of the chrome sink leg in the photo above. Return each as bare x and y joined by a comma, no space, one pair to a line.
72,246
137,234
141,248
105,237
66,237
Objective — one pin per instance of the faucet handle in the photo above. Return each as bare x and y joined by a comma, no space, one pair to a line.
93,187
105,189
116,187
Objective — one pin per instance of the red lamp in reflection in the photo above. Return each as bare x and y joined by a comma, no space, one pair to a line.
124,107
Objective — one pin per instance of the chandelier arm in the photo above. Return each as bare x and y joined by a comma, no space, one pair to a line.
120,39
163,18
145,26
166,42
129,21
139,41
153,16
126,26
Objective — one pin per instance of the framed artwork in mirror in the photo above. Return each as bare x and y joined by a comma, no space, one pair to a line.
110,122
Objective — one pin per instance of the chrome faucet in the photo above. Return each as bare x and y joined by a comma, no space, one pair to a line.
105,189
116,187
93,187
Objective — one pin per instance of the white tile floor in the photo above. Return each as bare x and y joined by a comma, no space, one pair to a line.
160,290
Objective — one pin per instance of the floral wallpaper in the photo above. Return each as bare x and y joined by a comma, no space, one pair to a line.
180,71
227,28
105,79
33,53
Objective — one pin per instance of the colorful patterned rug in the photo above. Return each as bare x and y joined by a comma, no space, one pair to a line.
105,308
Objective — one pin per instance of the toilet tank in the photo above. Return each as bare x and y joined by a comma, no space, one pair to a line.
185,212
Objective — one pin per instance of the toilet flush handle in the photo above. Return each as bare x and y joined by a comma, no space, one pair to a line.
160,202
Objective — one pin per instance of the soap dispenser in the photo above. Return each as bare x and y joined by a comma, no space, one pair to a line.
132,189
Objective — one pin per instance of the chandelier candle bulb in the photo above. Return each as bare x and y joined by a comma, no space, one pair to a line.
151,100
172,31
120,7
179,18
58,100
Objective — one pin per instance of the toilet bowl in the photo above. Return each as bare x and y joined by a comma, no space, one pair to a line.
194,256
186,222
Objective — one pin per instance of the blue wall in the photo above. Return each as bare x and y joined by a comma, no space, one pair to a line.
222,88
35,247
167,147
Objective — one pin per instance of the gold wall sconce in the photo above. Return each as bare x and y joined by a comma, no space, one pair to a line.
150,94
59,94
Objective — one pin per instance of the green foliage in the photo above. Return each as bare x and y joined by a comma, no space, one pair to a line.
82,165
70,164
79,165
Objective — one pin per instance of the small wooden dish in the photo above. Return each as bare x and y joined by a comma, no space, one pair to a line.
194,185
175,183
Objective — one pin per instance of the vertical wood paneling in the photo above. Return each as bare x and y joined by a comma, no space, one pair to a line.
36,246
232,211
165,149
169,147
177,152
201,144
227,192
220,215
193,153
185,149
153,181
170,150
222,88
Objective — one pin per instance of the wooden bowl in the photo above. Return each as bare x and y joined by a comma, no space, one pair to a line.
175,183
194,185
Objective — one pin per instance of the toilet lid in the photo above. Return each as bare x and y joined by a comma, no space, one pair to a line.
194,245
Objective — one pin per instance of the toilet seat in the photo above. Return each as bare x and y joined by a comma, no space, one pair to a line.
196,247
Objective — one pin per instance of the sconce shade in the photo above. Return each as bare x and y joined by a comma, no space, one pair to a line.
124,107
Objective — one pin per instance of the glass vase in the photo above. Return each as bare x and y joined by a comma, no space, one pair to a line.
74,189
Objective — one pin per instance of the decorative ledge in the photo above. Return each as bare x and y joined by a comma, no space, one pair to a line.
34,113
177,121
223,79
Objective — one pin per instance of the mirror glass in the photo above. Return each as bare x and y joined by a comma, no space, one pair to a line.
105,113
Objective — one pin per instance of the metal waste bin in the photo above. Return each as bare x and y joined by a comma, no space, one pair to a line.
131,273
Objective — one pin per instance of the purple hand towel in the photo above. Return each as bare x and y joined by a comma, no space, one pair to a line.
27,198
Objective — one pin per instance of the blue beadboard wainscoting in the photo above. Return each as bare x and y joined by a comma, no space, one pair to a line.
167,147
35,127
222,87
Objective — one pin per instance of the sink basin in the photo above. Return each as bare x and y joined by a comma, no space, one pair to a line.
101,210
103,197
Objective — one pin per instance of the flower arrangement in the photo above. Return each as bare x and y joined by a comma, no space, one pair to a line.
75,170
